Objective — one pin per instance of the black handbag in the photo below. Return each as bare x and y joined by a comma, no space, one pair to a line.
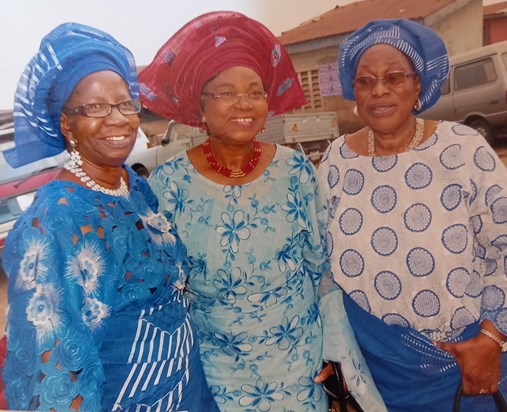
334,386
497,397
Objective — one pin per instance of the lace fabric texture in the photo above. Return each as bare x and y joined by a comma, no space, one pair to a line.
96,305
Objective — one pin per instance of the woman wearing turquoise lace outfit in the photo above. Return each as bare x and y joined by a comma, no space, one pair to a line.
97,319
250,215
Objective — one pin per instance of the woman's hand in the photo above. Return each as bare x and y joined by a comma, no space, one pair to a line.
479,359
324,373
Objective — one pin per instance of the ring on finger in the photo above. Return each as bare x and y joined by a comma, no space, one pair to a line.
483,391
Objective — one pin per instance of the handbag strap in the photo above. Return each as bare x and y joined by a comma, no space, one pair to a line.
497,397
344,396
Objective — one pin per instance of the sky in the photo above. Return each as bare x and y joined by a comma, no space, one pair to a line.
140,25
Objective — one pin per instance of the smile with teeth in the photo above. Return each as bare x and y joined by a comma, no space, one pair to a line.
116,138
243,120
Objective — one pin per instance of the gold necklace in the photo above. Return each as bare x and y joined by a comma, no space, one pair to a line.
418,135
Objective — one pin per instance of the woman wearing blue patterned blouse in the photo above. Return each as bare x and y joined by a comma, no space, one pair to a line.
97,319
249,214
417,238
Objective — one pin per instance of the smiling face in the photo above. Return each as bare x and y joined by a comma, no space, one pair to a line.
234,121
386,108
105,141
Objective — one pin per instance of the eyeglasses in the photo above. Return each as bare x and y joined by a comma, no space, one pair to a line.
104,109
256,97
390,80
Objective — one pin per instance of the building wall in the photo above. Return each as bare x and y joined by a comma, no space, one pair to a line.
307,65
462,29
308,57
495,30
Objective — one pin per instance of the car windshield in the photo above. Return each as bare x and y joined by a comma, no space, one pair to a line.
10,174
12,207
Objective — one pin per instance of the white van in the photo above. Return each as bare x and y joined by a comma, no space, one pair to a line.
475,93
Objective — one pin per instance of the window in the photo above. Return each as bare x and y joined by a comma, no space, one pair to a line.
446,86
474,74
311,88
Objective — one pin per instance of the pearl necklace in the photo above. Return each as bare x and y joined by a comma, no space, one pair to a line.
242,171
418,135
73,165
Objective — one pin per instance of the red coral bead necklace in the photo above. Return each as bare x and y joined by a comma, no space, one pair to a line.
242,171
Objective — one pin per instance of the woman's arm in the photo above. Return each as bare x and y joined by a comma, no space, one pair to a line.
52,359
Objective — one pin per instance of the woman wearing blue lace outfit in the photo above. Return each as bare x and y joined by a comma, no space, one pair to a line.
97,319
417,237
250,215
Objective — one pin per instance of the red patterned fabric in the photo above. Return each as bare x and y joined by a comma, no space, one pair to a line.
171,85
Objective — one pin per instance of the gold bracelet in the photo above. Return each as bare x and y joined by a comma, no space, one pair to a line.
493,337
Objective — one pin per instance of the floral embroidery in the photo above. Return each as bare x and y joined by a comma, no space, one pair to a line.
32,265
233,345
85,259
276,55
43,310
285,335
57,390
286,85
234,230
230,285
261,395
254,300
219,40
87,266
159,228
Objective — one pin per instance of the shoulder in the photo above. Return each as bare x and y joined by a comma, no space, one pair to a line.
177,164
286,153
470,142
453,130
337,152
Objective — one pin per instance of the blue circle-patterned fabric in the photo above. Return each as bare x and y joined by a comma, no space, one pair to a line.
419,238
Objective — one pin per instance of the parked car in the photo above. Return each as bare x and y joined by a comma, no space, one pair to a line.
475,93
18,185
10,174
16,196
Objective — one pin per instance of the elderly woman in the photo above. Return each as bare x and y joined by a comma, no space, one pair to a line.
249,214
97,319
417,238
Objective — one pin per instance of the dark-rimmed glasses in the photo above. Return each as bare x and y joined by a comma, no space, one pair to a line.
390,80
104,109
255,97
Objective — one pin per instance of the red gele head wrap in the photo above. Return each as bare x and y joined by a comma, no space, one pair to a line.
171,85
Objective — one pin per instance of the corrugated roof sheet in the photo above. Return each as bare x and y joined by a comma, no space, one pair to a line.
348,18
495,8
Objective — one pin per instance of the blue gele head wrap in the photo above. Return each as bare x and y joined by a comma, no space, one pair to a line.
68,53
419,43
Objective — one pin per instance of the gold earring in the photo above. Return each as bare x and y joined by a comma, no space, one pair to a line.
418,105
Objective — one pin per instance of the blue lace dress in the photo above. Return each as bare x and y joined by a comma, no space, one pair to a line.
256,263
96,311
